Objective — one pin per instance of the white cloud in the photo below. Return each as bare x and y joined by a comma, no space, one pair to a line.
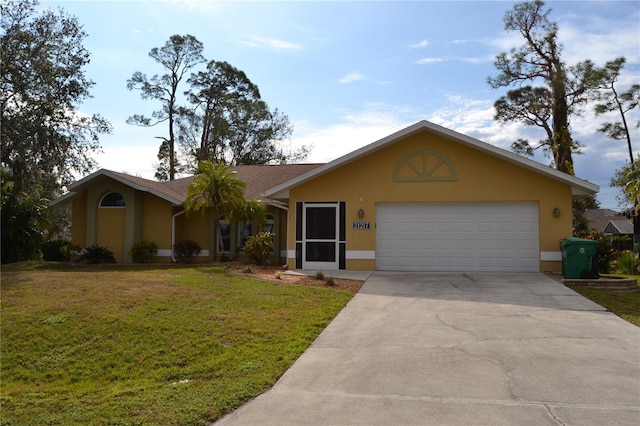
355,130
429,60
271,43
351,77
136,160
477,60
420,44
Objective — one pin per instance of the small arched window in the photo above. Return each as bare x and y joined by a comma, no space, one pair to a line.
112,199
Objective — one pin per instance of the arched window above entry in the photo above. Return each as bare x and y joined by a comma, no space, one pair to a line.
112,199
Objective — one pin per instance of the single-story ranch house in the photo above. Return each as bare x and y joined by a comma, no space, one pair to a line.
425,198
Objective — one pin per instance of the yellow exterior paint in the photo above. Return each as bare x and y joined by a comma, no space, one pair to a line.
110,231
157,215
479,177
420,168
79,220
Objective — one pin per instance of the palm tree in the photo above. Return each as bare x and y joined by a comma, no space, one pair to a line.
215,187
249,211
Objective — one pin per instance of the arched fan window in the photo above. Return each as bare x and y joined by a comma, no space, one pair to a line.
112,199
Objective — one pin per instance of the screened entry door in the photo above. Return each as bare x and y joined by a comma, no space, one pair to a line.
320,244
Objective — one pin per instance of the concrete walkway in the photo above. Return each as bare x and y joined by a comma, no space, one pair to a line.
461,349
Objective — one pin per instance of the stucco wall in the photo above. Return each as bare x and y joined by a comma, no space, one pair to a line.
479,177
156,225
110,231
79,220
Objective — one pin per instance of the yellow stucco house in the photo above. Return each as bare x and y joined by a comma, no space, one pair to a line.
423,199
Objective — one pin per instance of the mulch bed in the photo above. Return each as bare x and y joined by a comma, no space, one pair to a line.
276,274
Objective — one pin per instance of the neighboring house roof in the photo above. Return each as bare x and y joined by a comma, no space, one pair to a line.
257,178
618,227
600,218
578,186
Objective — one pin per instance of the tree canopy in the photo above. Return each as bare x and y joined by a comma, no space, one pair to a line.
609,99
555,90
177,56
44,137
221,118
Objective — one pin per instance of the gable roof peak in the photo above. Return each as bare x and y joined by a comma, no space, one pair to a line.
578,186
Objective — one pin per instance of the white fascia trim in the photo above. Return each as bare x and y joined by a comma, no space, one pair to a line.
578,186
551,256
63,199
112,175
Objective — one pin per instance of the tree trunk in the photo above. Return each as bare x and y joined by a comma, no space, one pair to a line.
562,143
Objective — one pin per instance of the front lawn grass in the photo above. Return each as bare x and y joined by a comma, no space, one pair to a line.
147,345
625,305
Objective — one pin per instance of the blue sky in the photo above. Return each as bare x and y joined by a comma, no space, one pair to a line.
349,73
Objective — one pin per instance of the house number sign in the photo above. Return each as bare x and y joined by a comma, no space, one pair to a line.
359,225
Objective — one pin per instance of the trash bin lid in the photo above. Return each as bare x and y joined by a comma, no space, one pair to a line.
579,246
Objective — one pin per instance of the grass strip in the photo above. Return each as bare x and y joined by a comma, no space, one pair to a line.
147,345
625,305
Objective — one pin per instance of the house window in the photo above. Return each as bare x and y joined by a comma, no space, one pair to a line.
244,232
268,226
224,236
112,199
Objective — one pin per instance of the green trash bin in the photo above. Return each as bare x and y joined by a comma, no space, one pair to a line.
577,257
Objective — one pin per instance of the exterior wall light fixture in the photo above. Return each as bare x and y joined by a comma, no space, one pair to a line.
556,212
360,213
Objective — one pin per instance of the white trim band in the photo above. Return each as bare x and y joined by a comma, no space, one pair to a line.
167,253
551,256
360,254
350,254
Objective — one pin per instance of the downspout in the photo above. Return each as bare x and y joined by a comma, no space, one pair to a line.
173,234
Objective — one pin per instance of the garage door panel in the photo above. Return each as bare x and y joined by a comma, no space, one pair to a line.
457,237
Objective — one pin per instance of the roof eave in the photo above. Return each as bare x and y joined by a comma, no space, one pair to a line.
63,200
124,181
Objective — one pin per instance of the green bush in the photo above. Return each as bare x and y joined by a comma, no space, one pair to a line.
606,254
259,246
98,254
143,251
627,263
56,250
319,275
186,250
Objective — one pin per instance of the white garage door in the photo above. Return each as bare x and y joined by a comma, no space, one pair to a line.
457,237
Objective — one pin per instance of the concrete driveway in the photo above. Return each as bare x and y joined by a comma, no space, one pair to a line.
461,349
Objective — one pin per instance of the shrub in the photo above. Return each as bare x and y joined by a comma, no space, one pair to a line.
187,250
278,275
319,275
56,250
627,263
247,269
259,246
143,251
331,282
605,251
97,254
